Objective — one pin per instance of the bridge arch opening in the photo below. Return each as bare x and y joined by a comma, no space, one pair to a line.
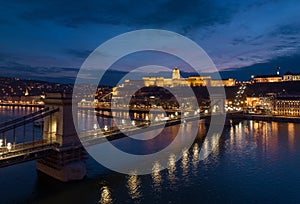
52,128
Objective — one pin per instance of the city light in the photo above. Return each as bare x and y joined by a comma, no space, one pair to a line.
9,146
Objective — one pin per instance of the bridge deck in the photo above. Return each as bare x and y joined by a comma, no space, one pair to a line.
93,137
38,149
25,152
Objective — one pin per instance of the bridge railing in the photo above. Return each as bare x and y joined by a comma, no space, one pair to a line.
22,133
24,121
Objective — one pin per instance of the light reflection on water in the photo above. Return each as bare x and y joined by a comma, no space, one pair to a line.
195,159
172,169
156,177
291,133
134,186
105,195
185,162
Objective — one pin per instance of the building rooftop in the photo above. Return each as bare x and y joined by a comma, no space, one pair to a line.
267,76
290,73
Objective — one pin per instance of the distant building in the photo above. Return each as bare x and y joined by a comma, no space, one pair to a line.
260,105
253,101
267,78
208,81
198,80
291,76
287,105
222,82
190,81
26,92
169,82
87,103
176,73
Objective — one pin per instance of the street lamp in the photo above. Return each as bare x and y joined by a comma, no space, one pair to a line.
9,146
95,126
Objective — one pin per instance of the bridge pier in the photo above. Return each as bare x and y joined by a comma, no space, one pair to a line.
218,103
68,160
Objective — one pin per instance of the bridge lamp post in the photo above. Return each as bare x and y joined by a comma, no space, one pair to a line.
1,142
95,126
123,121
9,146
105,128
172,116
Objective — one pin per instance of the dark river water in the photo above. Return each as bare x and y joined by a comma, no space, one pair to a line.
253,162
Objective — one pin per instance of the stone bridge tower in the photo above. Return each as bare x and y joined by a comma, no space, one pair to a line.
68,160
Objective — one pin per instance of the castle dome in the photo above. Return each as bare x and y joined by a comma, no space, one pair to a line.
176,73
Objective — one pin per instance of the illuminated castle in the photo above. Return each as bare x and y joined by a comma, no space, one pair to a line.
176,80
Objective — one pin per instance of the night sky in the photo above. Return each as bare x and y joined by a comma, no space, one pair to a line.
54,37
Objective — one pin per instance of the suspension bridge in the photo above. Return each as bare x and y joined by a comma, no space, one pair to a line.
56,146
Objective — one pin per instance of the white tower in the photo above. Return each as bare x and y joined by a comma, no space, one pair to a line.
176,73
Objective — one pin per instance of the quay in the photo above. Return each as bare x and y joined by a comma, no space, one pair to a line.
22,105
274,118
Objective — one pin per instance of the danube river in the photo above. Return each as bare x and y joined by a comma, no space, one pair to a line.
254,162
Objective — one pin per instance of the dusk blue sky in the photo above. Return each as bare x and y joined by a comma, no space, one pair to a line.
54,37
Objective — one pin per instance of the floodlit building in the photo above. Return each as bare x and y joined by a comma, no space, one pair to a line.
261,104
198,80
168,82
287,105
289,76
267,78
176,80
253,101
222,82
176,74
